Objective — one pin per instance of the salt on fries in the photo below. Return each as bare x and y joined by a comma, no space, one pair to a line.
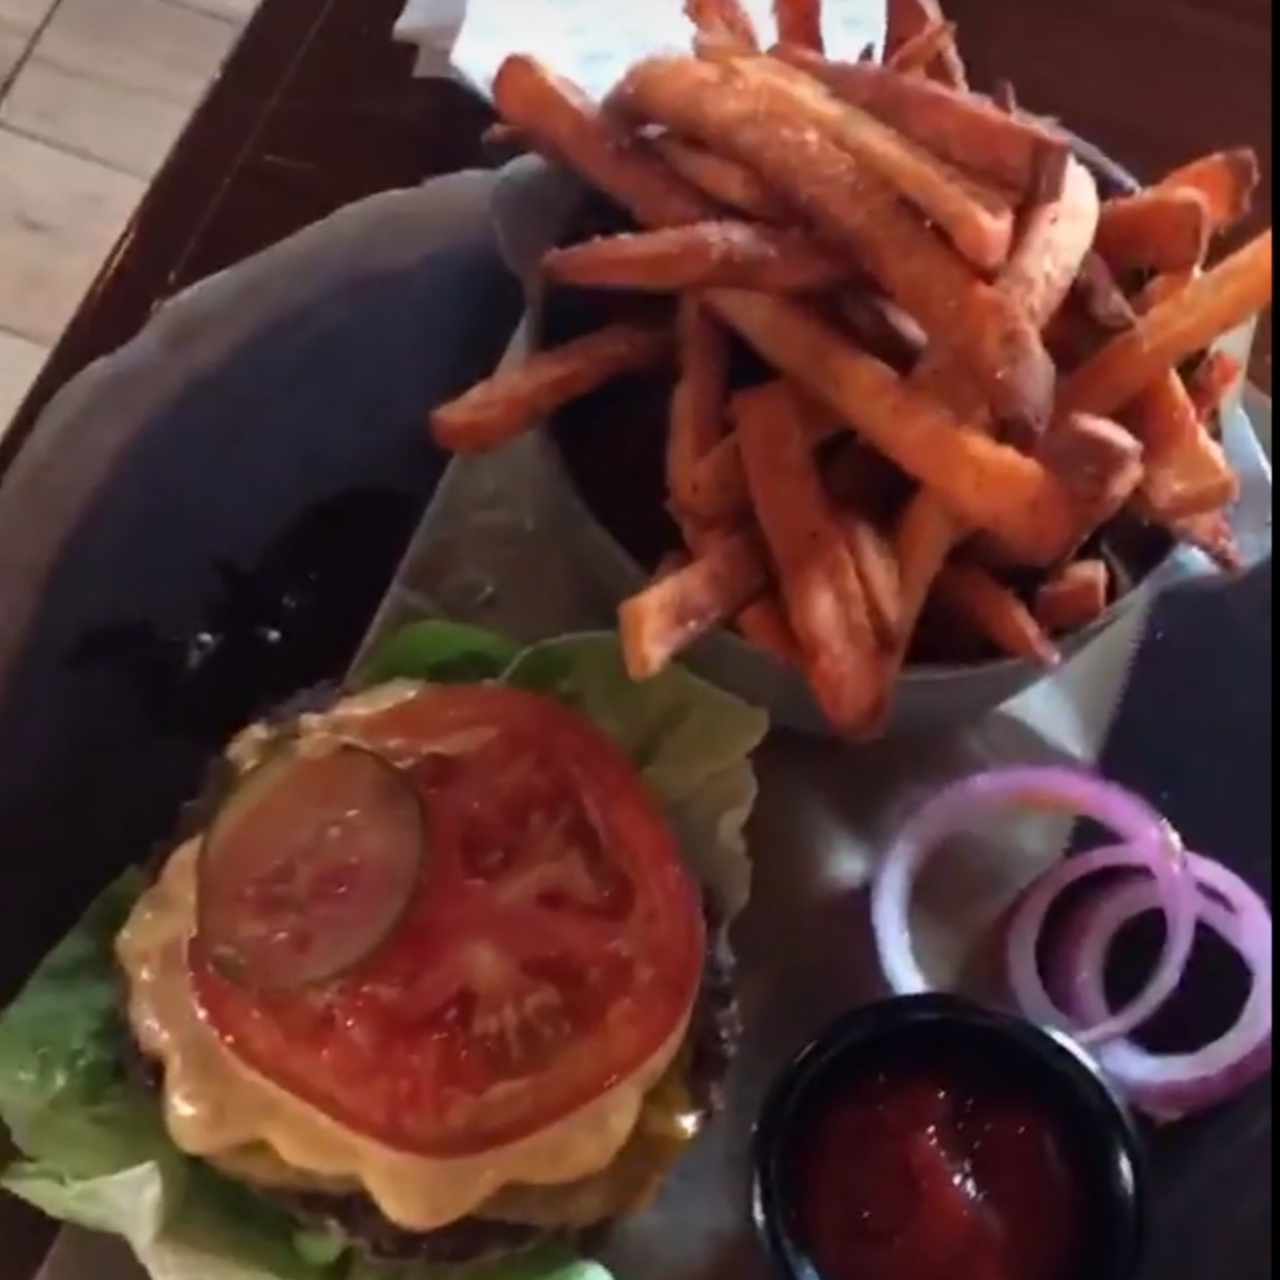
976,363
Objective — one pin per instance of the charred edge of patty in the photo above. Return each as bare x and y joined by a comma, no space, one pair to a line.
469,1241
715,1031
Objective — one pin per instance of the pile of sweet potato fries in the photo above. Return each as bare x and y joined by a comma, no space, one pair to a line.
951,312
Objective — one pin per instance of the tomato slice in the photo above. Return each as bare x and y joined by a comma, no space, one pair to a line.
552,947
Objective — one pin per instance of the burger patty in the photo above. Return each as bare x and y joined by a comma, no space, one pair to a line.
715,1031
358,1219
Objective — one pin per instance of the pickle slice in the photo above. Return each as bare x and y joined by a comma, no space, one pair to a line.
308,868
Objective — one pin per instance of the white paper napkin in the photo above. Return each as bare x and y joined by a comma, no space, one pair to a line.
590,42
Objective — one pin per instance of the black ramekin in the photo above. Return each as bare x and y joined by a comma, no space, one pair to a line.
1106,1150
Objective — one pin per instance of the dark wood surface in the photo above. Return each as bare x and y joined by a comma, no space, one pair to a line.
317,107
1153,82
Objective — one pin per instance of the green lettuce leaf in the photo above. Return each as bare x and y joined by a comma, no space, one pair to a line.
691,742
95,1148
93,1136
439,651
62,1091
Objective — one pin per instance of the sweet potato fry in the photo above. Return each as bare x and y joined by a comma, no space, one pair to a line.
1073,337
515,399
701,255
1187,473
564,123
883,328
907,19
699,404
861,479
1159,230
1097,460
1217,375
764,623
800,23
1055,241
825,601
700,535
670,614
913,56
968,130
1211,533
1005,95
719,488
671,563
1104,303
1226,180
1162,288
924,538
756,116
1053,172
724,21
991,609
1172,330
1037,278
1074,597
987,484
877,566
975,217
727,181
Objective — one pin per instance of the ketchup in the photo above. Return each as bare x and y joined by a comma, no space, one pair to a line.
938,1170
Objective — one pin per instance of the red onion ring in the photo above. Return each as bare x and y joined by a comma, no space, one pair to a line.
1171,1086
1150,843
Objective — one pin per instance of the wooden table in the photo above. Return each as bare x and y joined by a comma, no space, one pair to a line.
1152,82
317,107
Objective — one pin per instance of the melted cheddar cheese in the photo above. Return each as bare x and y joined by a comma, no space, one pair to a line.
219,1108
